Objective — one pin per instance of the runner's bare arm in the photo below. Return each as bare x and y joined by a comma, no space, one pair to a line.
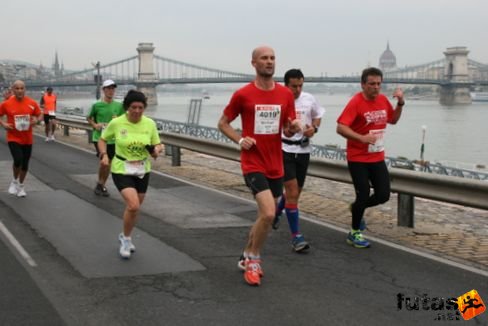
292,127
398,94
232,134
347,132
102,147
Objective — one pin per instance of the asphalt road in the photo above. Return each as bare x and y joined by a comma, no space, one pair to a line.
184,271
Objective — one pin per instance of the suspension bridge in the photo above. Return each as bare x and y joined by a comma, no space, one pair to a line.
455,74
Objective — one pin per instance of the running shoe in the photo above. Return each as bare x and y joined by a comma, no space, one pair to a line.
47,139
362,224
357,240
13,187
253,272
132,248
21,191
241,264
52,138
101,190
124,250
277,221
299,244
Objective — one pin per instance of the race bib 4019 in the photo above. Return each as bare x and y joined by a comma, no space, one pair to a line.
267,119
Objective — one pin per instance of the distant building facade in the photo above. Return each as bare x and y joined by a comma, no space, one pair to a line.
387,59
58,69
11,70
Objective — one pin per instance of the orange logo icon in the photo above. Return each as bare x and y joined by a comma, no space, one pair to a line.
470,305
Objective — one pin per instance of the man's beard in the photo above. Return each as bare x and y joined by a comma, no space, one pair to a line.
266,74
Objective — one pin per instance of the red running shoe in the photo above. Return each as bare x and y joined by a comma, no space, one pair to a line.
253,272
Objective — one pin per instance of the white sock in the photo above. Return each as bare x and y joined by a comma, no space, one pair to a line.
125,238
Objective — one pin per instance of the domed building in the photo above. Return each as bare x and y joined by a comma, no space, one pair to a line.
387,59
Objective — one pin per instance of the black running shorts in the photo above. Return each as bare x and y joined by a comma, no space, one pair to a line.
123,181
296,166
258,182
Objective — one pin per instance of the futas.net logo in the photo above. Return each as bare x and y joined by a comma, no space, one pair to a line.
467,306
470,305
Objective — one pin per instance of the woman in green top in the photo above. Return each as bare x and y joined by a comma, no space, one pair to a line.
136,138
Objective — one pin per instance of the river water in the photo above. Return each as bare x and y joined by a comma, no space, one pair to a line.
456,134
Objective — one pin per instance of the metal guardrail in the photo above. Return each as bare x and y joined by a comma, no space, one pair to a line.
461,191
472,193
327,151
320,151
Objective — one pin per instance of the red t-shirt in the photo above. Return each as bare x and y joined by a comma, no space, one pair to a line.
262,115
366,116
19,115
49,103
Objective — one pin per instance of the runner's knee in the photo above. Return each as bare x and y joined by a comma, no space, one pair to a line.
133,207
268,216
383,197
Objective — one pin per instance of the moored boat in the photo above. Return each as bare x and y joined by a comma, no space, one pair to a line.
479,96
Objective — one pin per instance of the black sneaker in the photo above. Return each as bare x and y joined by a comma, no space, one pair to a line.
101,190
276,221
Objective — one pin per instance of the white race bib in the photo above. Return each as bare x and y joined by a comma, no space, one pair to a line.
135,167
267,119
379,145
22,122
52,112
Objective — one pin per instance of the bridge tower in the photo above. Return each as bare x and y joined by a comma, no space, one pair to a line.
146,80
456,90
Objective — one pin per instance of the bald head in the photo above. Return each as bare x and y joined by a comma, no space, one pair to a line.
263,60
257,51
18,82
18,87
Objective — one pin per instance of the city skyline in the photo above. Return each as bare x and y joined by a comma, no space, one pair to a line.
320,38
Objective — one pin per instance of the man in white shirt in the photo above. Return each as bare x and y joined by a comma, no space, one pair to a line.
296,156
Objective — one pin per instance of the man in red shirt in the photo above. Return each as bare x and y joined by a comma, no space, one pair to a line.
22,113
266,109
363,123
48,105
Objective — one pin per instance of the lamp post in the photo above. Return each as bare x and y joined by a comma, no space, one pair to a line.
422,147
97,79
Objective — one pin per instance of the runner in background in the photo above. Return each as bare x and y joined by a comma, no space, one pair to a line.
22,113
101,113
7,92
363,123
296,156
48,106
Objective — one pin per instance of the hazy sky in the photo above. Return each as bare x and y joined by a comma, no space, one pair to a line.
318,36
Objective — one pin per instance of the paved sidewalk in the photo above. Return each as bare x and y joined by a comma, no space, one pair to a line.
449,231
